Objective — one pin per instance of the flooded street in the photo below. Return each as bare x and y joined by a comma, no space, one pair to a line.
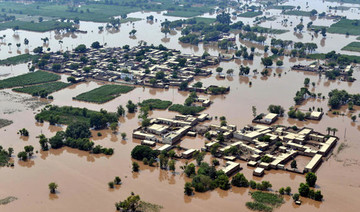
83,177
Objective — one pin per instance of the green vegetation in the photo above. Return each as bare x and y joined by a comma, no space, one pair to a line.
23,58
5,156
282,7
182,13
250,14
140,152
43,89
7,200
52,187
36,27
264,201
5,122
155,104
341,59
28,79
338,98
297,13
104,93
186,110
261,29
68,115
102,11
345,26
353,46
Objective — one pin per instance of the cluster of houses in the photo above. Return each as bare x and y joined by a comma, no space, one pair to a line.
272,147
143,65
344,71
261,146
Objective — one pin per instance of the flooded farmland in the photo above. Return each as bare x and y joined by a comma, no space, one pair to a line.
82,177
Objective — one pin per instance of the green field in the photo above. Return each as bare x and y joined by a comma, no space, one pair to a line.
23,58
68,115
264,201
47,87
28,79
297,13
268,30
101,11
345,26
104,93
282,7
205,20
36,27
353,46
156,104
250,14
186,110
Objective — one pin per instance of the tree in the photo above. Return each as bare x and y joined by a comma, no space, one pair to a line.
113,126
334,130
111,184
306,81
135,167
52,187
22,156
24,132
318,196
223,18
279,63
311,179
188,190
190,170
293,164
165,30
296,197
219,70
132,32
304,190
172,166
130,204
240,180
253,108
120,110
266,61
117,180
353,118
78,130
80,48
282,191
131,107
288,190
95,45
328,129
223,182
123,135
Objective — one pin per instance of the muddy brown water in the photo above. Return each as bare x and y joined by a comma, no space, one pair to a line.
83,177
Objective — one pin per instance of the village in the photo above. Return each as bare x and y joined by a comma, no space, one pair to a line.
261,146
141,65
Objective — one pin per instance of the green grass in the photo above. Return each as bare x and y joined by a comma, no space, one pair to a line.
67,115
345,26
257,206
186,110
267,198
268,30
250,14
98,11
156,104
353,46
34,26
23,58
47,87
104,93
297,13
182,13
149,207
282,7
205,20
264,201
28,79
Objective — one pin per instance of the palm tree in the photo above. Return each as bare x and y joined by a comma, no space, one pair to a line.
53,186
230,71
18,45
9,45
328,129
334,130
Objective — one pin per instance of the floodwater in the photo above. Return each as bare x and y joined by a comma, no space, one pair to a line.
83,177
